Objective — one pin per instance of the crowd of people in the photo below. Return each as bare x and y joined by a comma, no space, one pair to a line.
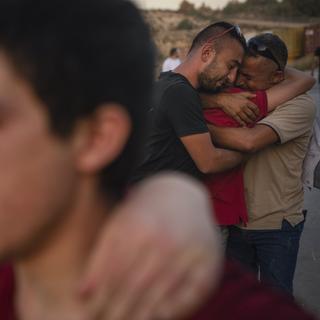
124,199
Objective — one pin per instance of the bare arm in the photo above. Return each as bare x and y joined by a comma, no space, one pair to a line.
207,158
244,139
244,111
295,83
236,105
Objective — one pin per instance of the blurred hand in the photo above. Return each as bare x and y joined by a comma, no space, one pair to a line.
236,105
158,256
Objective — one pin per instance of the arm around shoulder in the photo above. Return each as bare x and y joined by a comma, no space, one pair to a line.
249,140
295,83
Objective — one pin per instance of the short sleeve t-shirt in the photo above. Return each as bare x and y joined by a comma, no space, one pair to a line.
226,189
176,113
272,177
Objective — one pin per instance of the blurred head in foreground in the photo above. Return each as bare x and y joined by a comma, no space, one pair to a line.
75,77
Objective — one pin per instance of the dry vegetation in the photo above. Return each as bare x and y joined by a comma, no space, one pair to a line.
178,28
172,29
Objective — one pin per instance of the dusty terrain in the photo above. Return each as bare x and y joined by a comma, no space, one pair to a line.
176,29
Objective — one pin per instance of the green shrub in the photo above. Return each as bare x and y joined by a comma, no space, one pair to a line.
185,24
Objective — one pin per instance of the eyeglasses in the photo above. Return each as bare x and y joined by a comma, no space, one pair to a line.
236,29
263,50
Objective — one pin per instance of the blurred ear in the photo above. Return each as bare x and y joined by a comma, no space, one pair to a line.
277,77
208,53
101,139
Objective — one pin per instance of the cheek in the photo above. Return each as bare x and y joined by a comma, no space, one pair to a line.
226,71
214,74
256,85
251,85
222,73
36,181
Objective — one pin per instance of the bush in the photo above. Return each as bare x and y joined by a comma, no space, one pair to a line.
185,24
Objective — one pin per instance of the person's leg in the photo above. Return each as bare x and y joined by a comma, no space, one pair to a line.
240,248
277,252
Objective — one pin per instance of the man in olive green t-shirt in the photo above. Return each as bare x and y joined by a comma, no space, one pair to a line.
269,243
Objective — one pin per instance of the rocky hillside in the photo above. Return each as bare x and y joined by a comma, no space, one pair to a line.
175,29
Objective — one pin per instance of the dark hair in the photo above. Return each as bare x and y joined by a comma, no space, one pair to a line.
173,51
78,54
275,45
217,29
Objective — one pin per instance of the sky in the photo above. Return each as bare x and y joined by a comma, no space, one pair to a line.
174,4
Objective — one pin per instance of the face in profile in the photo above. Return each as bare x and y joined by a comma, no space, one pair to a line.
222,71
38,178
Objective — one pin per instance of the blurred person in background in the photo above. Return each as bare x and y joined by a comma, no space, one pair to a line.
172,61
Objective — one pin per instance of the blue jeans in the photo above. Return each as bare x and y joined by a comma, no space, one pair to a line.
272,253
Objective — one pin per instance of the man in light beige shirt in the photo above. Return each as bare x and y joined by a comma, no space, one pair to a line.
269,243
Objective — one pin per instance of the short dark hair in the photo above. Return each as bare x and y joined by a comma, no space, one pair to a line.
173,51
215,29
275,45
79,54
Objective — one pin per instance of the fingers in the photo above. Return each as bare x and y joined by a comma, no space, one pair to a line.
239,120
250,108
156,304
111,258
247,114
116,287
245,118
162,284
136,287
244,114
197,281
169,291
98,271
247,94
254,108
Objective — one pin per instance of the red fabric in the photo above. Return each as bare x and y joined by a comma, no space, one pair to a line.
6,293
226,188
239,297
